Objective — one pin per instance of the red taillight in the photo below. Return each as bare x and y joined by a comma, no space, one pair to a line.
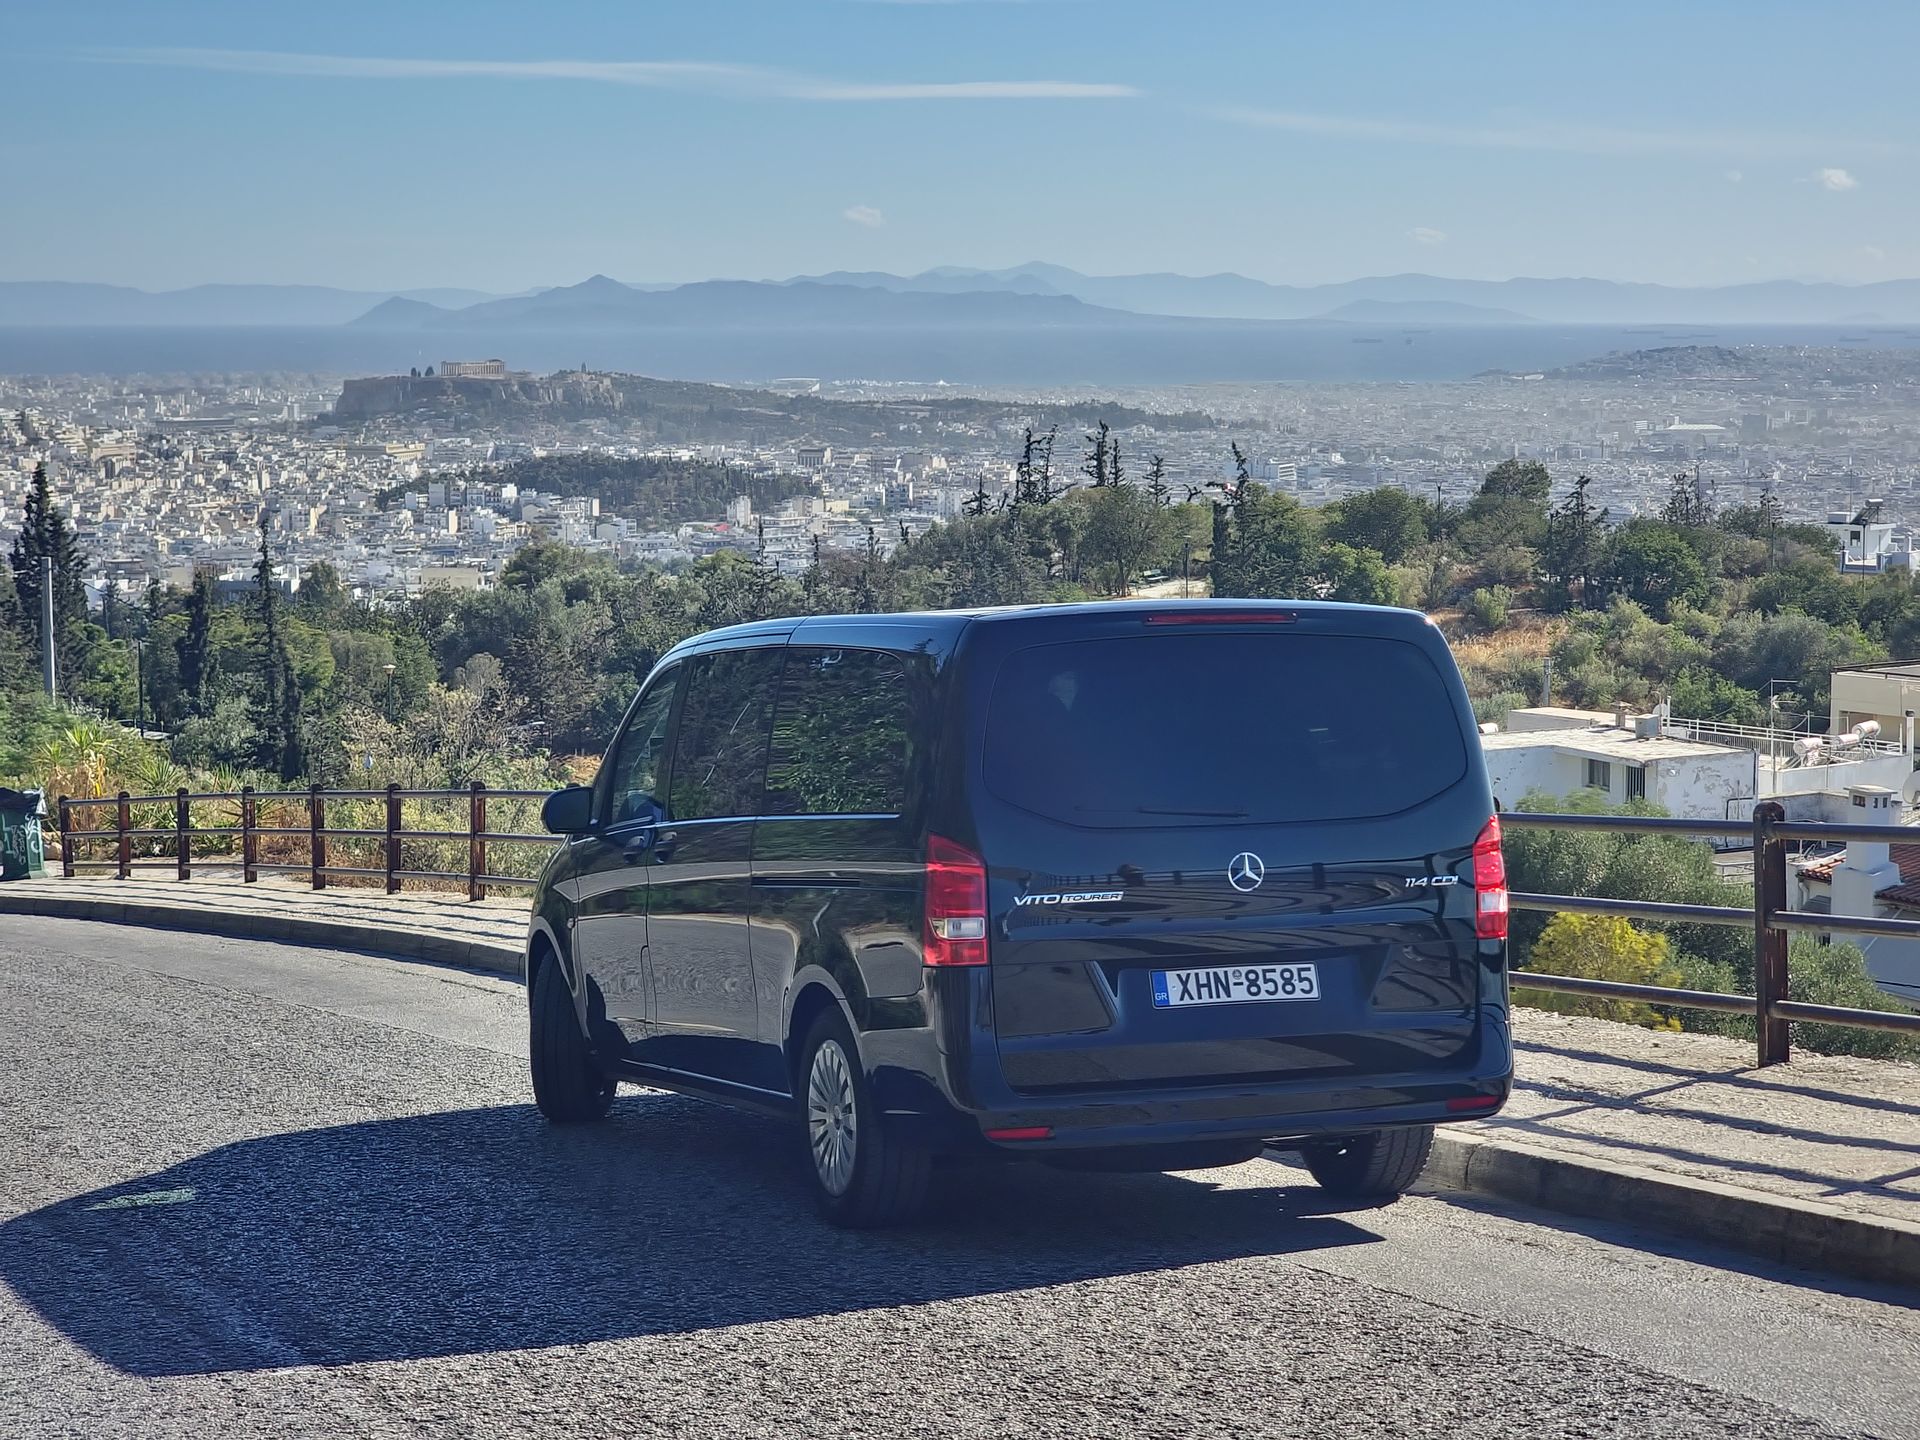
1489,884
1221,617
1472,1104
1022,1132
956,929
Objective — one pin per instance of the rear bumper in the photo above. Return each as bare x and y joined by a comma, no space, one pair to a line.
1275,1112
1279,1110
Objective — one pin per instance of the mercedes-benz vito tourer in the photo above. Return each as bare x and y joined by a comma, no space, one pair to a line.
1129,885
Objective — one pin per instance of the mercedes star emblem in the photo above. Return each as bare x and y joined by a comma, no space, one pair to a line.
1247,871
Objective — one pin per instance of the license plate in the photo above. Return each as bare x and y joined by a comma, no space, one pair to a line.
1234,985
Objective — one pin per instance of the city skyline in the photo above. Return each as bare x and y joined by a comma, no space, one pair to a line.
373,148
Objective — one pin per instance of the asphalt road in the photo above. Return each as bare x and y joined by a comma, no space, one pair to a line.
256,1190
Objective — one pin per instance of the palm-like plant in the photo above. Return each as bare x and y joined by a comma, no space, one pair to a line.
79,759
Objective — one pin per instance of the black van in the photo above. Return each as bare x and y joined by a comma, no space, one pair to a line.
1124,885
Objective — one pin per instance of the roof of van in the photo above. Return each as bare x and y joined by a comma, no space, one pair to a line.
951,622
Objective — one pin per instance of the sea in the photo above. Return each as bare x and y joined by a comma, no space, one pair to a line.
1154,353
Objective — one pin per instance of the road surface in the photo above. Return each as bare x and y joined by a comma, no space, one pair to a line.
257,1190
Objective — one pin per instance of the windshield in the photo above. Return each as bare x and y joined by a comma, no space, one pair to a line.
1205,729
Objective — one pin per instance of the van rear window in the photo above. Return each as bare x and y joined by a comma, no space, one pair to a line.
1198,729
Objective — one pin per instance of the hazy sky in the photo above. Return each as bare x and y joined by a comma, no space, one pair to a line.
500,146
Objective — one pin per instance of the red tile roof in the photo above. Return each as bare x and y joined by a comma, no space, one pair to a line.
1906,856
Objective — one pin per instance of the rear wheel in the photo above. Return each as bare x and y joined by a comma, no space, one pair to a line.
864,1173
1371,1167
567,1085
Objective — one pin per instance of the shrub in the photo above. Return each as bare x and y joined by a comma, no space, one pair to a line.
1602,947
1489,605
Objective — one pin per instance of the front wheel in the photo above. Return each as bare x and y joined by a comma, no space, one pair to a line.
1378,1166
567,1085
864,1173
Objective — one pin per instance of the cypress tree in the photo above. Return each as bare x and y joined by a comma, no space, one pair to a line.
279,711
45,533
196,646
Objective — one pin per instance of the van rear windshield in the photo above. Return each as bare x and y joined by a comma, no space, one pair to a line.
1190,729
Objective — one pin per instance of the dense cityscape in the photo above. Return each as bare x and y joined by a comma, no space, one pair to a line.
165,474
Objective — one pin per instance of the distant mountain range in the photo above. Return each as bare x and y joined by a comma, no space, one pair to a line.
604,304
1036,294
61,303
1564,301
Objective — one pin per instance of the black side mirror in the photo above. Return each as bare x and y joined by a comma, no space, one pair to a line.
568,811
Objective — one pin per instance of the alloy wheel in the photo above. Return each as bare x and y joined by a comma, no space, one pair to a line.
832,1129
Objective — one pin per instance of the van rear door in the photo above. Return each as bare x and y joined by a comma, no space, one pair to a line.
1227,846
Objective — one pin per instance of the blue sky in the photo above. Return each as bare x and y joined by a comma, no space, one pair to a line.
501,146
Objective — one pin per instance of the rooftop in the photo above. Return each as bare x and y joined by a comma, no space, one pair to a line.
1609,743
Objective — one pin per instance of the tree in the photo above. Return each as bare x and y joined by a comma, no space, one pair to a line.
1387,520
1033,475
1570,552
1689,503
1265,546
322,598
277,717
1653,563
1505,522
1526,480
1095,464
45,534
1123,533
1157,488
196,646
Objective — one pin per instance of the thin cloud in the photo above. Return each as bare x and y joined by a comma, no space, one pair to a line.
1734,177
1831,177
1427,235
1569,139
705,77
864,215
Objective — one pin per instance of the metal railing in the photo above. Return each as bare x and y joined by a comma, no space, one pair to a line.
187,842
1771,919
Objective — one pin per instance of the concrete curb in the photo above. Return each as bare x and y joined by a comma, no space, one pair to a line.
1805,1234
484,955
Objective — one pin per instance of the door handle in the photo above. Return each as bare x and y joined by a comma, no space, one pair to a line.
657,842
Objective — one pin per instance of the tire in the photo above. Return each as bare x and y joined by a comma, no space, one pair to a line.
864,1174
567,1085
1378,1166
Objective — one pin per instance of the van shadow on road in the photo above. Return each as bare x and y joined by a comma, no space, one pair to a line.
483,1230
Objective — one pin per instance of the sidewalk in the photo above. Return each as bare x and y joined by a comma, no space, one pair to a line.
416,924
1814,1164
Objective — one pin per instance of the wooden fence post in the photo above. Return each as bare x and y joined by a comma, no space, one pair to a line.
122,822
182,823
317,835
476,841
393,838
1769,941
249,842
66,838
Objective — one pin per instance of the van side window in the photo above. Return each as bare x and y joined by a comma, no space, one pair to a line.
639,757
843,734
720,748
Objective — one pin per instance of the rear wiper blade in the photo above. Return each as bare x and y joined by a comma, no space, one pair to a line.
1203,814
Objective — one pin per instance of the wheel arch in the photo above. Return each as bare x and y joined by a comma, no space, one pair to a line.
814,996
